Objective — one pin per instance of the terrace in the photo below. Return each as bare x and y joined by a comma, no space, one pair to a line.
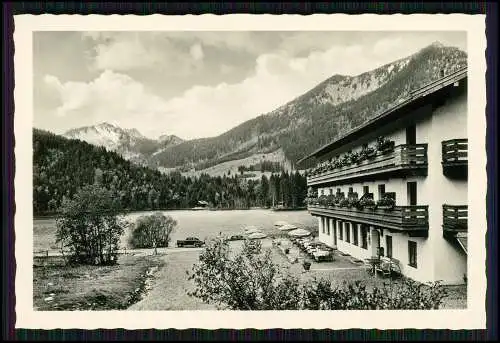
411,219
454,158
401,160
455,218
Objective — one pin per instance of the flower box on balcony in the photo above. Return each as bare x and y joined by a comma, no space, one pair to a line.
344,203
353,202
355,158
370,152
386,203
367,203
384,145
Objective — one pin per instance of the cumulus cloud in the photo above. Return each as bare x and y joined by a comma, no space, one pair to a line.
177,82
110,97
196,52
129,51
203,111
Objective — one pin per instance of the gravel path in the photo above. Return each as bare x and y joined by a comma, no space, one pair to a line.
169,290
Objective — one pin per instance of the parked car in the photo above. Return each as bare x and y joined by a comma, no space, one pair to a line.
190,242
236,238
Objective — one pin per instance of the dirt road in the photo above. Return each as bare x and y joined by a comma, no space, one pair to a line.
171,284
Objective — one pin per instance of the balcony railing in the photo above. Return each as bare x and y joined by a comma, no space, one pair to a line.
454,157
455,218
402,218
403,160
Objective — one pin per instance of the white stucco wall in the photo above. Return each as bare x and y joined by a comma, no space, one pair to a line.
448,122
354,250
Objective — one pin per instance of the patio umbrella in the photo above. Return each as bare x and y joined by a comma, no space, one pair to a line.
252,229
280,223
257,235
287,227
299,233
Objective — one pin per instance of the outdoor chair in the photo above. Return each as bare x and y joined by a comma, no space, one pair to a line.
388,266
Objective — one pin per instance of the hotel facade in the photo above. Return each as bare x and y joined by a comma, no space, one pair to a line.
397,185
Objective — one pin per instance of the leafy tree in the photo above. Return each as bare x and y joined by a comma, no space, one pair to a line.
152,231
89,225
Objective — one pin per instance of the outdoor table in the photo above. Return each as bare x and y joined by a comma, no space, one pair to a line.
321,254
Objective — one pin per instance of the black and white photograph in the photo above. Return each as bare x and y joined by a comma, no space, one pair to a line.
254,170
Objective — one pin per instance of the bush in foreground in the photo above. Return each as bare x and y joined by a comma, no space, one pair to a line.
250,280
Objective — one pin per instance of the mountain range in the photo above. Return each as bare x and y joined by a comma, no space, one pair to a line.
129,143
293,130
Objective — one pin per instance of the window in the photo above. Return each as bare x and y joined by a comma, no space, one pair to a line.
347,233
355,234
327,226
350,190
322,192
366,189
322,225
338,190
411,188
388,245
331,191
341,231
364,236
381,191
412,254
411,134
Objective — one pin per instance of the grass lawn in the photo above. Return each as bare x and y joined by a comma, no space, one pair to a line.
59,287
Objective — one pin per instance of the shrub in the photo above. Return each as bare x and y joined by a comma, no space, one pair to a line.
89,226
153,231
409,295
247,281
250,280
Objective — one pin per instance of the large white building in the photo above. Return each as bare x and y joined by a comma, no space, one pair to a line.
421,164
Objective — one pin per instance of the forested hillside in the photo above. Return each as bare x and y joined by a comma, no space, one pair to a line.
61,166
320,115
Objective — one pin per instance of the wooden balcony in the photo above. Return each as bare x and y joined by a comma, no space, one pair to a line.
455,218
454,158
412,219
404,160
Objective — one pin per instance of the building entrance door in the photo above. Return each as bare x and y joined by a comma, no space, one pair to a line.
375,242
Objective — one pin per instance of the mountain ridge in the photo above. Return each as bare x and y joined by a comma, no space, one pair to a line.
334,106
303,124
129,143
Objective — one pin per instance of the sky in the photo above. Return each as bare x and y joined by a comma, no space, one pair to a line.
197,83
